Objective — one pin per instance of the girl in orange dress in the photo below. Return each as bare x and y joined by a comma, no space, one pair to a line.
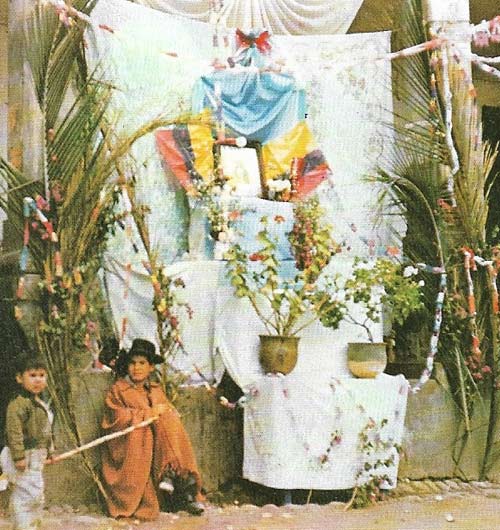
136,465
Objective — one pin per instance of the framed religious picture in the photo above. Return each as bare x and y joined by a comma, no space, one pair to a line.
242,167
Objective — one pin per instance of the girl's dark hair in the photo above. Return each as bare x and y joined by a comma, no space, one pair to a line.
27,361
112,356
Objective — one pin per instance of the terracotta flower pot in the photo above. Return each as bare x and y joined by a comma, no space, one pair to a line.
366,359
278,354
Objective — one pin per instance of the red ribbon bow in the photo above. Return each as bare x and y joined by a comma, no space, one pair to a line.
247,41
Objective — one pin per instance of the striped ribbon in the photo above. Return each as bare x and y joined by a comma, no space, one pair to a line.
436,328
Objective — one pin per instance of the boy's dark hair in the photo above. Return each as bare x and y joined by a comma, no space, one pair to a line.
28,361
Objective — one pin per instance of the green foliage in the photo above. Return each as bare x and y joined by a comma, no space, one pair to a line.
398,290
76,190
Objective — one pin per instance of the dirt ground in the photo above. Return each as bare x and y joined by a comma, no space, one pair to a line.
459,511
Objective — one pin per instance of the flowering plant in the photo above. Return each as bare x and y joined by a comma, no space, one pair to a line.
281,301
383,283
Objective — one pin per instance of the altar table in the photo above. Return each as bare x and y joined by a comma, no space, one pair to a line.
290,424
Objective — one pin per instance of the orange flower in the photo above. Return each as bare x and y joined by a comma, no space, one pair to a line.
234,215
392,251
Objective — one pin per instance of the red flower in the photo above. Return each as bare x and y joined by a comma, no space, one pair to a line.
256,257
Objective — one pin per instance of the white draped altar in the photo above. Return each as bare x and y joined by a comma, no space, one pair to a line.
154,59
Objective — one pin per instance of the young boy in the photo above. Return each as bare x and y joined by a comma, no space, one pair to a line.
28,442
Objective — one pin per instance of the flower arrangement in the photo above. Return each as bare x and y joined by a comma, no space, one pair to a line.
217,199
278,301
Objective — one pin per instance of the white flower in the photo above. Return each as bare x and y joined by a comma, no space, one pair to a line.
410,271
232,235
279,185
421,283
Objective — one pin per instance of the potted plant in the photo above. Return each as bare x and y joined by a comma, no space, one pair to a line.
287,303
383,285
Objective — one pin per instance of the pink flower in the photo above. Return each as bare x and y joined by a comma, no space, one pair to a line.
234,215
481,38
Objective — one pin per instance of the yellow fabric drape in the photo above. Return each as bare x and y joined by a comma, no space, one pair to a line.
277,154
202,144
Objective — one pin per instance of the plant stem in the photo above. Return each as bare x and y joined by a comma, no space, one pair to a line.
493,392
351,501
462,390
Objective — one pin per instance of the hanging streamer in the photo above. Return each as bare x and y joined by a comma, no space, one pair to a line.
436,328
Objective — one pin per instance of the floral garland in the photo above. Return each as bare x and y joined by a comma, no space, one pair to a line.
372,479
165,300
475,361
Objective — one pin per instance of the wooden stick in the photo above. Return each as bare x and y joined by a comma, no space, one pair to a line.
101,440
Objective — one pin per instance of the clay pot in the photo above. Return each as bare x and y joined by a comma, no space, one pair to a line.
278,354
366,359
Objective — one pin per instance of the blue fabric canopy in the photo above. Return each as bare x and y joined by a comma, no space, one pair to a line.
258,105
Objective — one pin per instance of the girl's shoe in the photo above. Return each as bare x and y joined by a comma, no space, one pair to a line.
166,485
194,508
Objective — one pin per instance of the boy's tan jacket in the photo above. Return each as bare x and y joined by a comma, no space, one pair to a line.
28,425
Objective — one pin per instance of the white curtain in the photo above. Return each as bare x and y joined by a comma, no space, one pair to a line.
281,17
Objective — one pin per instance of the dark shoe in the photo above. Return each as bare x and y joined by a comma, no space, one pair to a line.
194,508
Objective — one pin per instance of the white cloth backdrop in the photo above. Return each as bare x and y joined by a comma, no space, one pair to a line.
131,295
349,103
296,17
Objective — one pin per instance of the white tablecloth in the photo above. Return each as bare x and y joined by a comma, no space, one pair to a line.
289,424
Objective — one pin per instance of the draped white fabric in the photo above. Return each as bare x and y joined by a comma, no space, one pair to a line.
290,421
281,17
203,279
